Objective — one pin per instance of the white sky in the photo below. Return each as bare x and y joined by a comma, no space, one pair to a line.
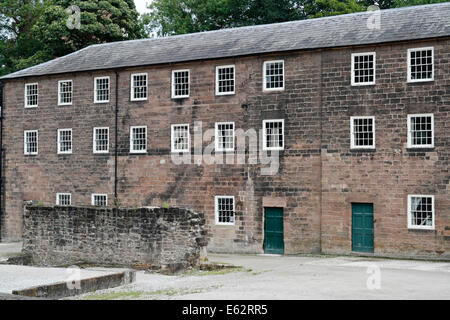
141,5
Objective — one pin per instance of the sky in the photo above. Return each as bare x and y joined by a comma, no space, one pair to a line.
141,5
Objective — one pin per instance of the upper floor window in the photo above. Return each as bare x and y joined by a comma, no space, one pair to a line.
101,89
30,142
138,87
180,138
362,132
64,141
99,200
31,95
65,92
421,64
225,82
180,83
273,134
224,210
224,136
363,68
101,140
420,131
138,139
63,199
420,212
273,72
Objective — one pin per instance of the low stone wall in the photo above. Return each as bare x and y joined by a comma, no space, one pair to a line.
170,238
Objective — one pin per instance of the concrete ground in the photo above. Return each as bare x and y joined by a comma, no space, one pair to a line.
259,277
294,277
14,277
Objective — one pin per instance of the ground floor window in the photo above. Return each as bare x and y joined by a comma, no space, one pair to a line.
63,199
420,212
224,208
99,200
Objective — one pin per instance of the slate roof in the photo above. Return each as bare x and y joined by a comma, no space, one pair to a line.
410,23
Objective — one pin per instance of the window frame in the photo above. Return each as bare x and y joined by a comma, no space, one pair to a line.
217,80
132,98
95,89
25,143
359,54
173,84
433,211
409,138
59,93
265,89
131,139
216,210
352,137
94,141
93,195
172,142
37,94
265,148
59,141
216,136
63,194
409,80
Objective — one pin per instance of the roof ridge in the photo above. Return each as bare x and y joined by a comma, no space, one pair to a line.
270,24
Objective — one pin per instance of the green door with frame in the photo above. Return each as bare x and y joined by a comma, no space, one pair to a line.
362,227
273,231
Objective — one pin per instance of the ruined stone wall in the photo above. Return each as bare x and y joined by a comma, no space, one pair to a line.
170,238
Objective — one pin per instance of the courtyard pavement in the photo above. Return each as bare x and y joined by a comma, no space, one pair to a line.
294,277
260,277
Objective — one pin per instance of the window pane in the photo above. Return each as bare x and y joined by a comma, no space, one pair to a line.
225,210
274,75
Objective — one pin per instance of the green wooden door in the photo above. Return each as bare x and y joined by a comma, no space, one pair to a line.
362,227
273,230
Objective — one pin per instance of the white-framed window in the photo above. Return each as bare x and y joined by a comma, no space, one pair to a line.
138,139
225,80
99,199
362,132
421,130
180,138
100,140
64,141
363,68
65,92
31,95
30,142
420,211
421,64
224,136
139,86
63,199
273,75
224,210
101,89
180,83
273,134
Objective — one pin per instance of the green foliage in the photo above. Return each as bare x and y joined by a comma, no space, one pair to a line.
323,8
32,33
166,205
407,3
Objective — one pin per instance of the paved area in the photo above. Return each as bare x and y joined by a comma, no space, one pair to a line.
9,249
294,277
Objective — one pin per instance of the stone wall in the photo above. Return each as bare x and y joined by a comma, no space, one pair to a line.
155,237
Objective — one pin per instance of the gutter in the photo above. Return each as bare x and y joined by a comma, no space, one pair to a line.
1,159
116,137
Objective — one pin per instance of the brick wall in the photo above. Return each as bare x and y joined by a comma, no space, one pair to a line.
318,179
170,238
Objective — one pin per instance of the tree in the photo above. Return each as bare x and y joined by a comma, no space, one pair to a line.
406,3
100,21
168,17
17,43
323,8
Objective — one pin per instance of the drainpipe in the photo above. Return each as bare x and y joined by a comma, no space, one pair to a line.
115,137
1,158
